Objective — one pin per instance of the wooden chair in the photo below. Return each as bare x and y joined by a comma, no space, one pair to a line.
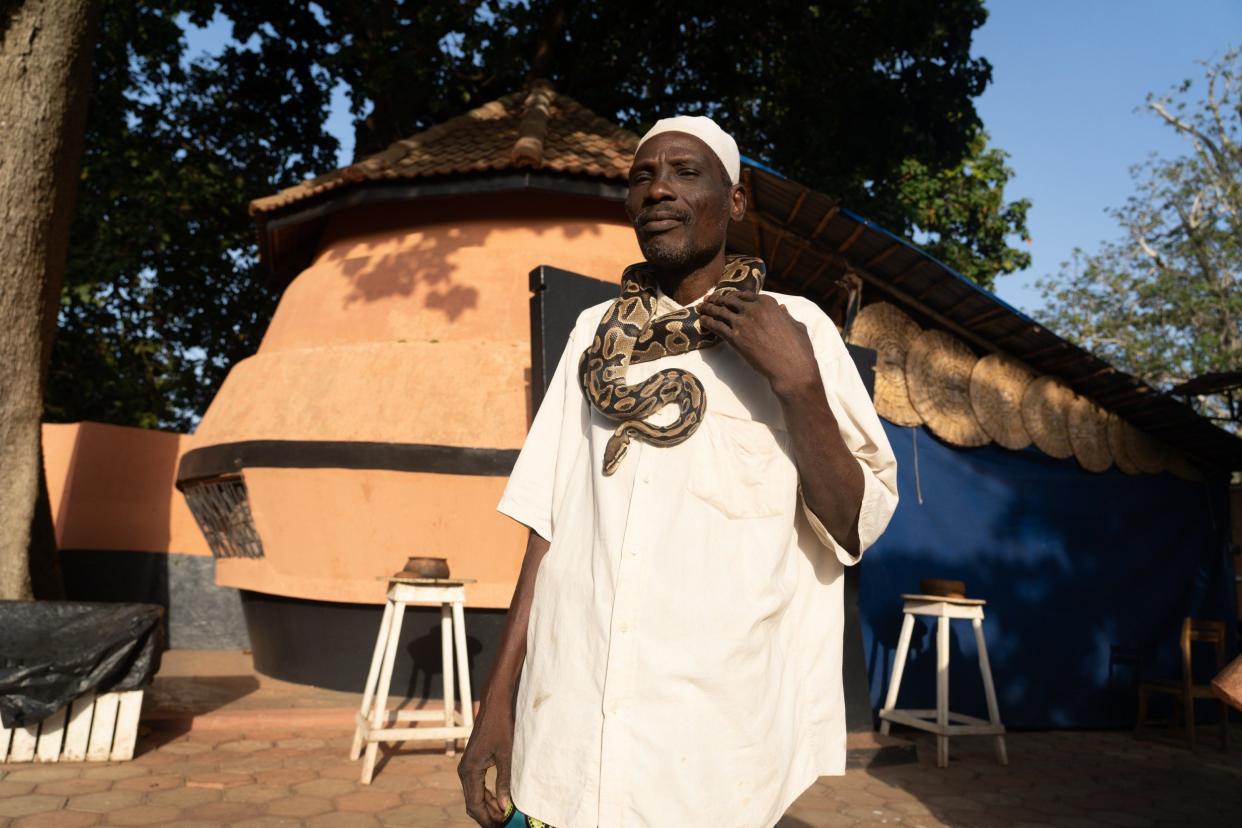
1186,691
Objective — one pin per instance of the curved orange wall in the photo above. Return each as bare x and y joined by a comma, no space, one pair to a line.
331,534
413,323
450,270
411,326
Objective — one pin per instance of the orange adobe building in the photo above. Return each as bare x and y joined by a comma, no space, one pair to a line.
383,411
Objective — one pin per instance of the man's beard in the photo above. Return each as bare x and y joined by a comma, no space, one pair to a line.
678,256
674,257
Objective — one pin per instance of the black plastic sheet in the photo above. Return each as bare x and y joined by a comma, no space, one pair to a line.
52,652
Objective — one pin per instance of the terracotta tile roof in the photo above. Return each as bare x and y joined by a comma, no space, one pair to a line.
533,129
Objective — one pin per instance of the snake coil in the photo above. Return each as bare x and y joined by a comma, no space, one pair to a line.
630,333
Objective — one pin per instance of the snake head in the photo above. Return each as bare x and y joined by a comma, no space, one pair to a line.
614,452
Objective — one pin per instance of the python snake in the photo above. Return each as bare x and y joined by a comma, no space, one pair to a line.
630,333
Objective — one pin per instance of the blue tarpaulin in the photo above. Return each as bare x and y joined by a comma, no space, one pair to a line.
1087,578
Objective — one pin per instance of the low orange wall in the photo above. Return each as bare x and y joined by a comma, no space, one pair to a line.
111,487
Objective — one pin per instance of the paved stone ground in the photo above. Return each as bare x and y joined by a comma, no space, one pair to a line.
209,777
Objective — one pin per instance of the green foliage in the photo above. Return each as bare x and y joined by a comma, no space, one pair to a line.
868,100
163,291
400,63
962,212
1163,301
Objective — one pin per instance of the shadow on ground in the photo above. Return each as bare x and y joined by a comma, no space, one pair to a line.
264,777
183,697
1054,778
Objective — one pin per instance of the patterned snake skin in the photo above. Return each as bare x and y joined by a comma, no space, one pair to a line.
630,333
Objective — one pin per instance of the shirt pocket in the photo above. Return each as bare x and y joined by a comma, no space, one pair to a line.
743,468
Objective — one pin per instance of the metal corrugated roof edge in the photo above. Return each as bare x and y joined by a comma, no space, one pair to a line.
989,295
759,165
992,298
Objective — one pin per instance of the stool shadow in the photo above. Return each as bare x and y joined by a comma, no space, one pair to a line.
425,658
388,752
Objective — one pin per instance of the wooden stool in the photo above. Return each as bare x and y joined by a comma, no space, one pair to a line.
374,718
946,724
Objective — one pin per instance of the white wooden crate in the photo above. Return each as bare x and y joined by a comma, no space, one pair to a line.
91,729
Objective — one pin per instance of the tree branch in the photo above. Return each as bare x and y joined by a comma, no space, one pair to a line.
1220,160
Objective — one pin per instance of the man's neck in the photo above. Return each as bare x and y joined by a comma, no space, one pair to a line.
684,286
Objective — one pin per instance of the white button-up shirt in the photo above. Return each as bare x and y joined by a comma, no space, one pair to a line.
683,662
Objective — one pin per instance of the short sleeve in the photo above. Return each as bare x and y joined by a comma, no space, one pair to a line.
865,438
530,494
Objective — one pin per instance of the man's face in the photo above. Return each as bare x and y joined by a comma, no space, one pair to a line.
680,201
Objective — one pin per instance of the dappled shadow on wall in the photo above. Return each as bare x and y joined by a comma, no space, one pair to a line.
373,250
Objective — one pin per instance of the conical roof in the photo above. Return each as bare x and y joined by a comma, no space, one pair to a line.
533,129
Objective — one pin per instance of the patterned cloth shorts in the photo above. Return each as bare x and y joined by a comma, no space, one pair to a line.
517,819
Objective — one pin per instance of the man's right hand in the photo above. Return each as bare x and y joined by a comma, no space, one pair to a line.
491,741
491,744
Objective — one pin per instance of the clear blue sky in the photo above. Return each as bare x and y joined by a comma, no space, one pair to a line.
1066,102
1067,79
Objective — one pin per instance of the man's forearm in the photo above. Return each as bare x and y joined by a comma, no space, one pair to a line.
831,479
779,347
491,743
508,666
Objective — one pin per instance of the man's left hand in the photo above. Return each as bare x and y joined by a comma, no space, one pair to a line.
763,332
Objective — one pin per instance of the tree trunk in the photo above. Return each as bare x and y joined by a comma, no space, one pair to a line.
45,61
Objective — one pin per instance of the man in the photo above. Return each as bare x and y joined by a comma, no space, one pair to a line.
677,622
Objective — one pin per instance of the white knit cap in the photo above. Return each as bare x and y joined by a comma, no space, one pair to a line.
706,130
